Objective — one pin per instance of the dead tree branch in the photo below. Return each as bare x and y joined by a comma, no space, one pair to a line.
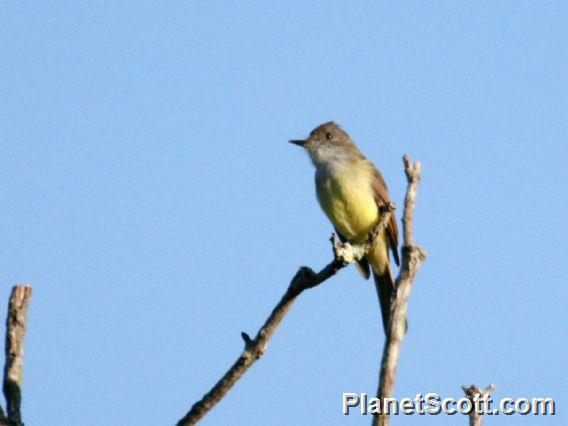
476,395
13,370
305,278
412,258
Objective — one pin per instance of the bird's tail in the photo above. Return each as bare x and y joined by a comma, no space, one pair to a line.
384,284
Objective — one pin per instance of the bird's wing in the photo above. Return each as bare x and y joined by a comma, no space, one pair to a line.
382,198
361,265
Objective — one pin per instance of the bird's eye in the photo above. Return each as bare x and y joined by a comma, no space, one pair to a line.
328,135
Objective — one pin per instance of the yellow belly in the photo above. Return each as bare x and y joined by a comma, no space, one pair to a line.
347,199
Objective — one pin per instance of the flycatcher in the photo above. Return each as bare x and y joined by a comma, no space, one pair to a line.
350,190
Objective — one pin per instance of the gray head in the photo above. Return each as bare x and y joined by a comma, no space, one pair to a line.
328,142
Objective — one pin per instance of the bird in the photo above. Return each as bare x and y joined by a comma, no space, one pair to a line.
351,191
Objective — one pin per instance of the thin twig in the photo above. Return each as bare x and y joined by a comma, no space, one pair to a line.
305,278
15,333
412,258
476,395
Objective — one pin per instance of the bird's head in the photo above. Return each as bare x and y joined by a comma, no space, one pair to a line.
327,142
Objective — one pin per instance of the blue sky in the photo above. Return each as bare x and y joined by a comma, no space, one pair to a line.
151,199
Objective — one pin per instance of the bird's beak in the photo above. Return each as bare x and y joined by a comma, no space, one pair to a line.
299,142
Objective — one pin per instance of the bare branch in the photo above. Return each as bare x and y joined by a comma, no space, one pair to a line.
15,333
412,258
475,395
305,278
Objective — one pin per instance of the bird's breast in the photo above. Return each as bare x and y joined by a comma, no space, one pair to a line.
346,196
